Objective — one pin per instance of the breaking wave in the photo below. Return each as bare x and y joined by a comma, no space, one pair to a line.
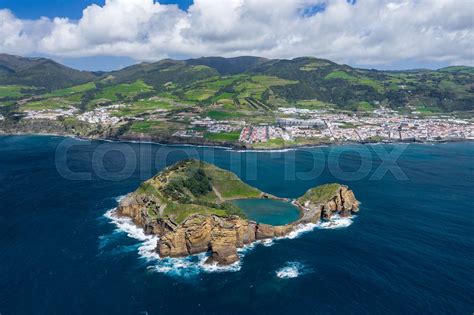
292,269
185,267
147,248
119,198
336,222
195,264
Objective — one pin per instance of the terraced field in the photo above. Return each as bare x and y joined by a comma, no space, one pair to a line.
13,91
124,91
78,89
250,89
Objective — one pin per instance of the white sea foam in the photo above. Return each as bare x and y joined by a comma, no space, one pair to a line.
336,222
263,151
120,198
300,230
126,225
268,242
189,266
195,264
147,249
182,267
291,270
216,268
185,267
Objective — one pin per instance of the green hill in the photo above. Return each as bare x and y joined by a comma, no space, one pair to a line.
229,66
243,85
193,186
211,79
160,73
40,72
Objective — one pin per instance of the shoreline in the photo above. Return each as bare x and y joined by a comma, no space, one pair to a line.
226,146
224,232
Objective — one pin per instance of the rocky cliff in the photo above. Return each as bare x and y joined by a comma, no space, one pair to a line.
189,228
325,201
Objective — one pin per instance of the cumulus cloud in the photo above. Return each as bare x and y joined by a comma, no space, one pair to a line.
373,32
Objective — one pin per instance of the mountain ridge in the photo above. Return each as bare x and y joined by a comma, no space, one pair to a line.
274,82
40,72
198,61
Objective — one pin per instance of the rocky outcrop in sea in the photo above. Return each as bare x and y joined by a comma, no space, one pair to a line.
221,236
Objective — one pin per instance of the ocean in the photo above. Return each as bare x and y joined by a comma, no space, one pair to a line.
410,250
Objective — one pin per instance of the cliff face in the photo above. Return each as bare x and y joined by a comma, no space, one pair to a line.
136,207
327,200
222,234
201,233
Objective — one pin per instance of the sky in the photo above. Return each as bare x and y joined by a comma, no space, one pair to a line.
110,34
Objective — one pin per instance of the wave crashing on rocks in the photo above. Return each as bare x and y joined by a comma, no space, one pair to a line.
193,265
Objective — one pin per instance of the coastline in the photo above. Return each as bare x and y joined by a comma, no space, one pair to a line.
185,142
388,217
220,233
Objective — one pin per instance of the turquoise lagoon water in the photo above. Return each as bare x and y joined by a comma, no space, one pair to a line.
269,211
408,251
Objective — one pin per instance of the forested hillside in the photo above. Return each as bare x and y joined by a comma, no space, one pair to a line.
248,83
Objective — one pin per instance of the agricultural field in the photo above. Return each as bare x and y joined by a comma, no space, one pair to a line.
223,115
143,106
255,86
14,91
311,104
223,136
312,66
364,107
165,128
207,89
72,90
51,103
144,126
159,99
245,90
360,80
273,144
123,91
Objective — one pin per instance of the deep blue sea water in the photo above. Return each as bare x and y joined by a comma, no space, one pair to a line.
409,251
269,211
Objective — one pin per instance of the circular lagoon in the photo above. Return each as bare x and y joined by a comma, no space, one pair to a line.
269,211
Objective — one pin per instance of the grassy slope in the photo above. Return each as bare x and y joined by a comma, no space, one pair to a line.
320,194
40,72
115,92
13,91
181,202
253,94
52,103
72,90
229,185
223,136
143,106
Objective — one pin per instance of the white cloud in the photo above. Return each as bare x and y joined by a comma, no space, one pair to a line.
370,32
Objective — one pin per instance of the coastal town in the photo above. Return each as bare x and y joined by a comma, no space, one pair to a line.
382,125
307,102
236,157
291,125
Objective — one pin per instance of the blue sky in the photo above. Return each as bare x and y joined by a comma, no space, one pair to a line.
34,9
380,34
